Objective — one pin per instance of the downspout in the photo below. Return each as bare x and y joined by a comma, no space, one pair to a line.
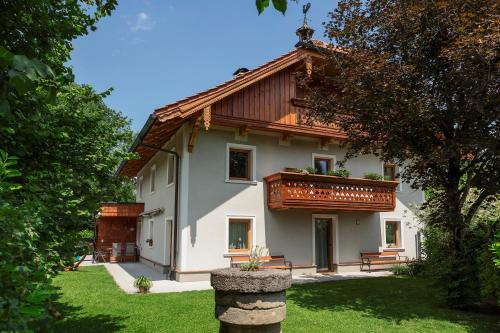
173,251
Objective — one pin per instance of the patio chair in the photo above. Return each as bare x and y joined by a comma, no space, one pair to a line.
130,249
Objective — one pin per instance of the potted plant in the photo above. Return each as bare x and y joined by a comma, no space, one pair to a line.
343,173
255,261
373,176
143,283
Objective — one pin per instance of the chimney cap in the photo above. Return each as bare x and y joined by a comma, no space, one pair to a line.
241,70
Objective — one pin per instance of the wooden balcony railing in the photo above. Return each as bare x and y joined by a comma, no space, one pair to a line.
293,190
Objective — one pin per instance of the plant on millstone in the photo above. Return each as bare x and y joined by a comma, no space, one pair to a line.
255,259
143,283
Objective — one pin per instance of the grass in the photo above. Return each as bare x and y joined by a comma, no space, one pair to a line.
93,303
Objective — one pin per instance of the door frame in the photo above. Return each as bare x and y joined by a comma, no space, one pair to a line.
334,257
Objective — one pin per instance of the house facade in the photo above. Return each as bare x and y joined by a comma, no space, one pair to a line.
218,176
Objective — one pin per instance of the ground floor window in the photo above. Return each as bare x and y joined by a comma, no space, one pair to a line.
239,234
393,233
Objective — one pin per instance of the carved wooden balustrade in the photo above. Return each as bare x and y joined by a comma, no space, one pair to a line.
293,190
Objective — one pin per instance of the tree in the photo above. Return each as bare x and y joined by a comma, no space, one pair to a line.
67,144
416,83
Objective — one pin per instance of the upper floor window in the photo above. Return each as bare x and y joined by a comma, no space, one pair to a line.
152,178
139,187
323,163
170,169
391,173
393,234
240,163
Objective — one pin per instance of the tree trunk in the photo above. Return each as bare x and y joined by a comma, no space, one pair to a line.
457,228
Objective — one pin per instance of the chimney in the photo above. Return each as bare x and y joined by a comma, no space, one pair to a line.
240,71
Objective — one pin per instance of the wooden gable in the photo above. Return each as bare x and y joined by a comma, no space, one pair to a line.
264,98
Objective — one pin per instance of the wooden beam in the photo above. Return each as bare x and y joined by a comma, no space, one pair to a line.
325,141
243,131
207,117
309,66
194,133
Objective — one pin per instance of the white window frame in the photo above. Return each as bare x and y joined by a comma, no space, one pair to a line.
140,183
226,239
401,234
171,159
253,157
335,226
139,233
399,188
324,156
152,180
151,227
169,221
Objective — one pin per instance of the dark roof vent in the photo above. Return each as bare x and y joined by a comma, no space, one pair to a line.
240,71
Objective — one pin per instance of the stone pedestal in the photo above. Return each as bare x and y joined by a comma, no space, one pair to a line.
250,302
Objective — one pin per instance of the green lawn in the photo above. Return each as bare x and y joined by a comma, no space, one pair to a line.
93,303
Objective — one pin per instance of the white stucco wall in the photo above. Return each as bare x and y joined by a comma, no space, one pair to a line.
161,198
208,199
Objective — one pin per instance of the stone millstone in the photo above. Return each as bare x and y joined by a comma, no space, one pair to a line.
265,281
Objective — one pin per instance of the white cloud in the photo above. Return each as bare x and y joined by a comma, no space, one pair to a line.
142,23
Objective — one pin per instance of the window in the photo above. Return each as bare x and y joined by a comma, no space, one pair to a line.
392,234
323,163
170,169
153,178
391,173
240,234
150,236
240,163
139,188
139,233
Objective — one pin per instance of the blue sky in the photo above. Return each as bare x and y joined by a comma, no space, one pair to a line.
154,52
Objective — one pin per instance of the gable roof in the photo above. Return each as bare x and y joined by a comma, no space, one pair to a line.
165,121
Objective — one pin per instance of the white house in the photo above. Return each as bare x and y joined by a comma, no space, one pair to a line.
235,146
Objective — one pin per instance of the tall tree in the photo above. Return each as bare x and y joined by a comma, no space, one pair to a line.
68,144
416,82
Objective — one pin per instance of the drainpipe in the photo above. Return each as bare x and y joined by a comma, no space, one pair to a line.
173,251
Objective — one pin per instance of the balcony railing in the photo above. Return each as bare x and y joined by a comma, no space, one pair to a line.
293,190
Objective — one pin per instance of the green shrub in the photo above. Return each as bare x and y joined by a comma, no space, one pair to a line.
416,268
344,173
400,269
255,259
143,283
310,170
373,176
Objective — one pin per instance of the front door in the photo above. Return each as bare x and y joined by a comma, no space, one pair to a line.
323,243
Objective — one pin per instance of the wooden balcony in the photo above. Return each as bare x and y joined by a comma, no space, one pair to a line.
287,190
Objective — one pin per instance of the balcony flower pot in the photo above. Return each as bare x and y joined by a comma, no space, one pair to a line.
250,301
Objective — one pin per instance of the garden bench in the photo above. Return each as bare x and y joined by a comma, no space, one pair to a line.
381,258
268,262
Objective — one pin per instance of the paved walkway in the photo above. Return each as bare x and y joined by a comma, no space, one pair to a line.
124,275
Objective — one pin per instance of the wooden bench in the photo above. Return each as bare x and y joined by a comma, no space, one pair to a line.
268,262
381,258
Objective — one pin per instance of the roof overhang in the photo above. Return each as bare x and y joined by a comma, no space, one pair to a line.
165,121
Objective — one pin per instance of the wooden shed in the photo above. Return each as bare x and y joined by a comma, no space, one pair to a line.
116,223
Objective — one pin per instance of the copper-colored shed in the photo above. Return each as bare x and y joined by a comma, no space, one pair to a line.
116,223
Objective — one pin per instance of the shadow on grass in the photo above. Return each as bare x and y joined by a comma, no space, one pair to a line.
390,298
74,319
